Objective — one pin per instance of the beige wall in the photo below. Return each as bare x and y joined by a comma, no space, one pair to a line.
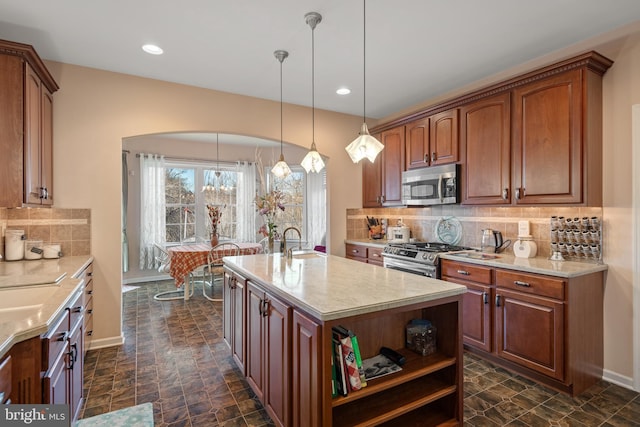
94,110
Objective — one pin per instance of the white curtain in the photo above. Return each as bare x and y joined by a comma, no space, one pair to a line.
245,208
317,208
152,208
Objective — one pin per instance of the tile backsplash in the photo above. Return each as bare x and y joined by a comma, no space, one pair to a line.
422,221
71,228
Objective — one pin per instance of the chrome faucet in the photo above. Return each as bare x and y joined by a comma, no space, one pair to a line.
289,252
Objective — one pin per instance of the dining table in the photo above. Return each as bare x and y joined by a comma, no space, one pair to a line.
186,258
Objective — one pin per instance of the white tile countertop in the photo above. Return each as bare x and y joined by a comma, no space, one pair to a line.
331,287
540,265
28,305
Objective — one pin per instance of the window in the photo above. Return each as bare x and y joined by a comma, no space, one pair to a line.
305,204
189,188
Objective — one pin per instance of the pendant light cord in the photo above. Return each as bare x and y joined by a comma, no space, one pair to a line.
217,153
313,88
364,61
280,108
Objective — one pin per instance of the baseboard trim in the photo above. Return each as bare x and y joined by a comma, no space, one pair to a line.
615,378
151,278
106,342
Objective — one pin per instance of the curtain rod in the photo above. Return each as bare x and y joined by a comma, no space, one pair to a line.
181,159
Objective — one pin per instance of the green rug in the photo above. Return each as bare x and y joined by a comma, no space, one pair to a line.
135,416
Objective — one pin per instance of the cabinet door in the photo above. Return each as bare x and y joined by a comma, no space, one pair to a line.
227,308
46,134
238,330
76,366
307,364
392,166
277,342
485,129
56,381
32,136
476,316
443,138
12,131
417,144
547,140
530,331
255,340
372,181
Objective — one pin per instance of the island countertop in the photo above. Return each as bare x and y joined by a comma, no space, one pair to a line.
331,287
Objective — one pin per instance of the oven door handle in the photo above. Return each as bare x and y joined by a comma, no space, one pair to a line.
440,188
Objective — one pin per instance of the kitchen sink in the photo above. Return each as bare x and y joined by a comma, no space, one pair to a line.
307,255
475,255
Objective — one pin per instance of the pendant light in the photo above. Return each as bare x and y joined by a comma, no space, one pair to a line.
312,162
364,145
281,169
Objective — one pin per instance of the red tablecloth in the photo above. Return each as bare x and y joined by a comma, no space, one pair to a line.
186,258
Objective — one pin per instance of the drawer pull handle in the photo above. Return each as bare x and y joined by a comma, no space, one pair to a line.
355,251
520,283
375,255
90,332
90,311
90,273
78,309
485,298
90,292
497,300
265,308
464,272
64,336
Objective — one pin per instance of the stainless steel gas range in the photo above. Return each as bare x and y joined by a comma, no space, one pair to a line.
418,258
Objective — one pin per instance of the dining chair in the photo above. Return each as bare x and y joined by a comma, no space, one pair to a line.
164,260
215,266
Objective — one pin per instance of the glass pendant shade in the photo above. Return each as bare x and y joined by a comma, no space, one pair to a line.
312,162
364,146
281,169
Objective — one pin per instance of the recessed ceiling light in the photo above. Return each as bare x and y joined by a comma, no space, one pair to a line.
343,91
152,49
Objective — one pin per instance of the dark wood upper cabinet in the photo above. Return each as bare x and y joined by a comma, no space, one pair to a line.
382,180
443,137
417,152
26,128
485,129
535,139
547,140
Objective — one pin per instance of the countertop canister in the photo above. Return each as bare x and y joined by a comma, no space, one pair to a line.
14,245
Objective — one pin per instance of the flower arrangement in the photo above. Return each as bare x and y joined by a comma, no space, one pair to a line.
214,216
268,206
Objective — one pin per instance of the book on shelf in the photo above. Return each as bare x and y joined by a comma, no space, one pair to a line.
379,366
341,380
350,364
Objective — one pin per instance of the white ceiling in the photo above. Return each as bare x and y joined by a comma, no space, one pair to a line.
416,49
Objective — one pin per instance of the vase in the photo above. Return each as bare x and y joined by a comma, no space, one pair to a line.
214,239
270,245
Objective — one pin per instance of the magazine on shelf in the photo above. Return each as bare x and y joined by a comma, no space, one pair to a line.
379,366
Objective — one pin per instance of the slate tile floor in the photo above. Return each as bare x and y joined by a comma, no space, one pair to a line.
174,357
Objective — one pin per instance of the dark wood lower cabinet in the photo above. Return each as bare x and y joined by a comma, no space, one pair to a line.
307,376
269,352
233,300
289,364
547,328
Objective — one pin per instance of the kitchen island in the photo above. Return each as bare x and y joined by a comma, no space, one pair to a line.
278,317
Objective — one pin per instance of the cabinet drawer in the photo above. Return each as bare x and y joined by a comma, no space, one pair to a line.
76,309
474,273
374,254
356,251
54,342
531,283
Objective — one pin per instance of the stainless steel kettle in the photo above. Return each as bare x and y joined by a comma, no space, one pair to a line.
492,241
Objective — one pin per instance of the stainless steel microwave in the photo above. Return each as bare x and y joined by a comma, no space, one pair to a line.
435,185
